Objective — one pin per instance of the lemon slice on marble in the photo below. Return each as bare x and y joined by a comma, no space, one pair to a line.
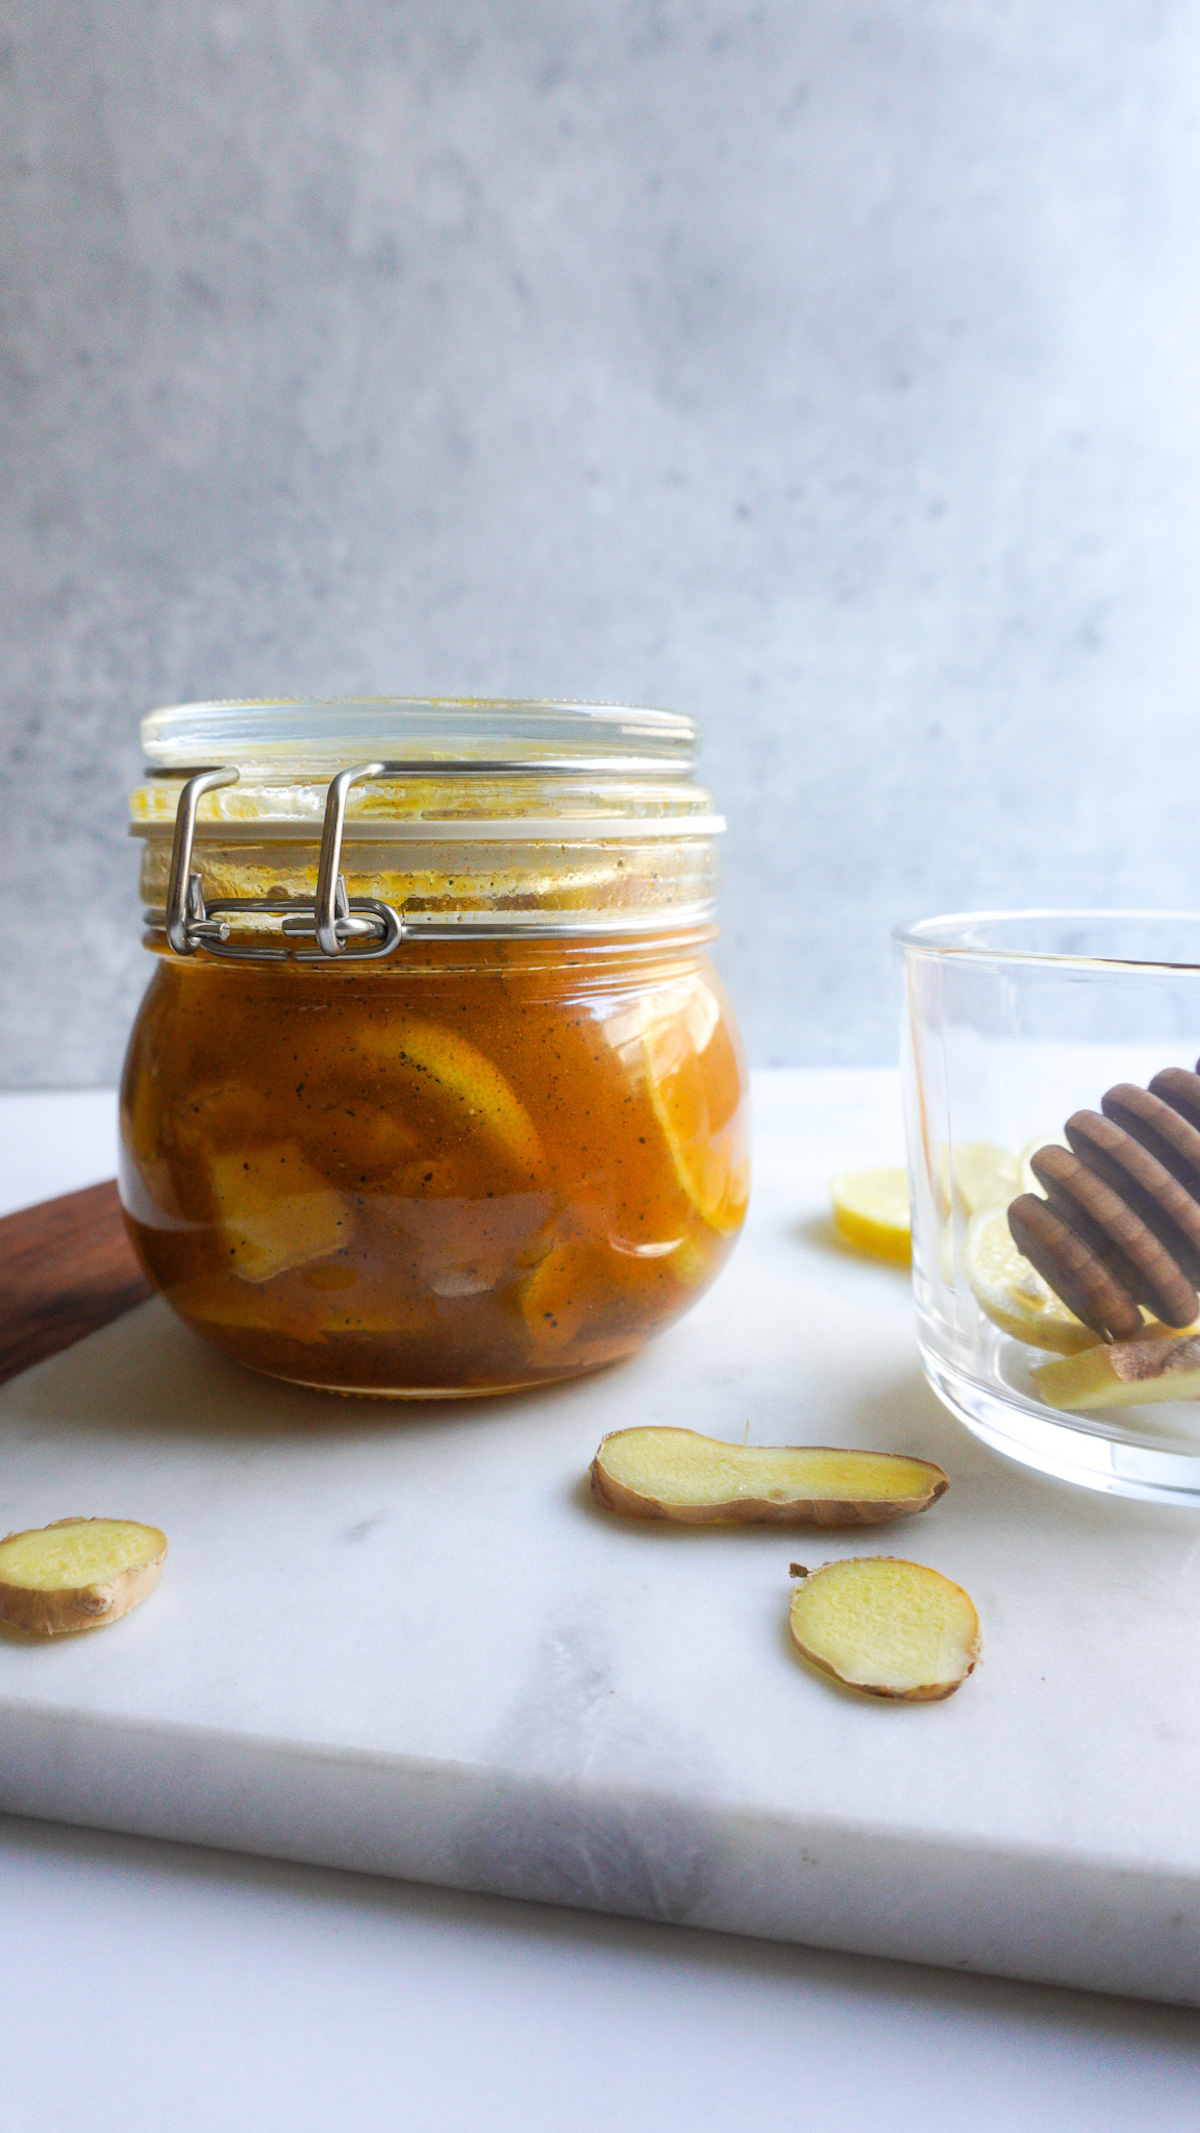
871,1211
1013,1294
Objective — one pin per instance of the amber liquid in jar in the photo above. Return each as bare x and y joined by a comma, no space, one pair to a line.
468,1168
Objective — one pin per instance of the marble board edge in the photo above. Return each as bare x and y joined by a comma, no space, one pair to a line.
1082,1920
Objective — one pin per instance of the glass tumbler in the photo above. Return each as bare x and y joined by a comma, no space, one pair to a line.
1012,1023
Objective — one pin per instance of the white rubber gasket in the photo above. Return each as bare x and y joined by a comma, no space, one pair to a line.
521,829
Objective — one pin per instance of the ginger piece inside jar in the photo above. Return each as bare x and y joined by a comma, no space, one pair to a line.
275,1210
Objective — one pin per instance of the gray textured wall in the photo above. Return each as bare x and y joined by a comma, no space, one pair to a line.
826,367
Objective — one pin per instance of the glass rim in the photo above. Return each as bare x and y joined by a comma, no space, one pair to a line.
919,937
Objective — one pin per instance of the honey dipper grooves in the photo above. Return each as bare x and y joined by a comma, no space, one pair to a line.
1119,1227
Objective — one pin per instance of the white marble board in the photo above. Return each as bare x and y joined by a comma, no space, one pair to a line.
404,1640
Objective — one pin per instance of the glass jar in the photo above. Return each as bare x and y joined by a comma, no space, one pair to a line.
1018,1027
434,1090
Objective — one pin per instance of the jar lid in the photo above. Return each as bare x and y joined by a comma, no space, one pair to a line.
288,733
468,816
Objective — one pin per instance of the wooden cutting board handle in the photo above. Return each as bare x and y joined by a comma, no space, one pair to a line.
66,1268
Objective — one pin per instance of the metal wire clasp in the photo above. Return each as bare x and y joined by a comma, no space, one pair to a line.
333,919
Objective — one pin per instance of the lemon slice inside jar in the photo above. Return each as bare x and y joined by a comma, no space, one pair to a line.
1013,1294
694,1093
455,1074
561,1293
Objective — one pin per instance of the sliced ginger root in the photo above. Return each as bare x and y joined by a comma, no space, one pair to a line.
885,1627
698,1481
79,1573
1158,1365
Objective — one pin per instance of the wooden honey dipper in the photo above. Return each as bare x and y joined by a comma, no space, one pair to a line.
1120,1224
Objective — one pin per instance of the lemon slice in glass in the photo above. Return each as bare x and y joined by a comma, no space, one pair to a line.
1028,1182
1013,1294
978,1174
870,1210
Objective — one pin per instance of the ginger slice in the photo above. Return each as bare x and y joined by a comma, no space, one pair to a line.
78,1573
277,1211
1133,1373
885,1627
698,1481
